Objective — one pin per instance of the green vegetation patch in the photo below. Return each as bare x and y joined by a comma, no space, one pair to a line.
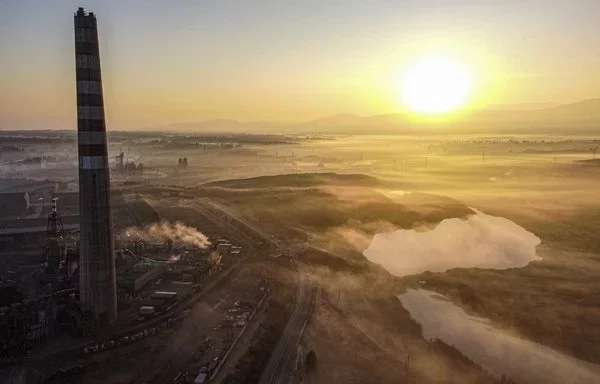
300,180
317,210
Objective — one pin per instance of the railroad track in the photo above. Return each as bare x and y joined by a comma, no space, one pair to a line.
278,368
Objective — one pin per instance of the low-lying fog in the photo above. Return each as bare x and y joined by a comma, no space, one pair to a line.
493,349
533,180
480,240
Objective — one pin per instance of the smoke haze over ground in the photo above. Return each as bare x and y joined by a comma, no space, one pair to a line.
481,240
178,232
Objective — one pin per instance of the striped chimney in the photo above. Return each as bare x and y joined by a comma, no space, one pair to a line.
96,262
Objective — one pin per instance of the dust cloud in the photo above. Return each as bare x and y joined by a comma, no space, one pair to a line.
178,232
480,240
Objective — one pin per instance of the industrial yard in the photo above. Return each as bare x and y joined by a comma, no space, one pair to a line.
168,283
98,273
202,292
183,349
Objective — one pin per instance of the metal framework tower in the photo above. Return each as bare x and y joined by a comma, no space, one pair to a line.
55,245
97,263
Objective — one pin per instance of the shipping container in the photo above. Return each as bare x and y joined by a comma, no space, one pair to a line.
147,310
158,305
166,296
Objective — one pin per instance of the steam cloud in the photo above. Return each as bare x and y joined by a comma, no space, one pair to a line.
479,241
178,232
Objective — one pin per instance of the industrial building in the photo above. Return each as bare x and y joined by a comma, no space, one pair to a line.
59,261
97,264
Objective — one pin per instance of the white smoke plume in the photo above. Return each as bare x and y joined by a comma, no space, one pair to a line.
178,232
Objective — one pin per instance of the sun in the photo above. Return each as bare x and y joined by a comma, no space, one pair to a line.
435,85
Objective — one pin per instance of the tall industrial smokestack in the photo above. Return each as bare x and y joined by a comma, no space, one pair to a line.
97,263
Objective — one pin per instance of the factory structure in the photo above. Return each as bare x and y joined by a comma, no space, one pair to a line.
126,167
97,280
60,254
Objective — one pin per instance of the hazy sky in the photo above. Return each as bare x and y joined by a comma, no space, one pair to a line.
182,61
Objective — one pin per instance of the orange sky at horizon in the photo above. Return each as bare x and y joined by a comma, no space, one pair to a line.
163,66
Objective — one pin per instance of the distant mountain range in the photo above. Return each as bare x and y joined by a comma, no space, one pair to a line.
522,107
583,116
